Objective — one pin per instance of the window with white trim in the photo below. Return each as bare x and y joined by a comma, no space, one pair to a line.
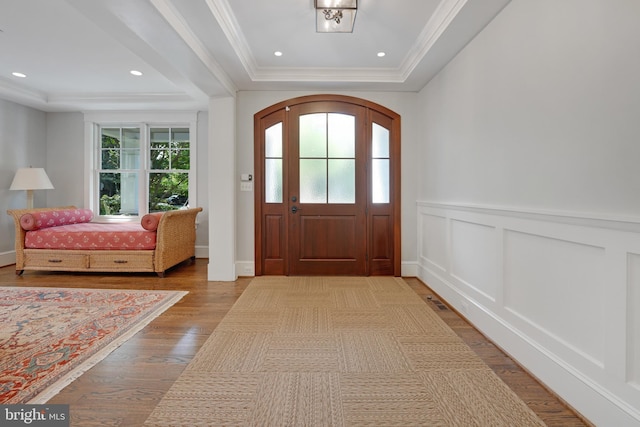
143,167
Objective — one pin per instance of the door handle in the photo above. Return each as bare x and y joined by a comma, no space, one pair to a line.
295,209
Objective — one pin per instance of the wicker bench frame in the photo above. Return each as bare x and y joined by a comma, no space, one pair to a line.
175,243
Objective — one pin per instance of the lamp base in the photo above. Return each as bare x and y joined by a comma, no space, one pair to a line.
29,199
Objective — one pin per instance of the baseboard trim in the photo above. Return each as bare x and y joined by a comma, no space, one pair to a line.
571,386
248,268
7,258
409,268
245,268
202,251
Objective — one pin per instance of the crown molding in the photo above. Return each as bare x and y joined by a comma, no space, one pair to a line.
135,116
70,101
177,22
12,91
119,97
366,75
226,19
443,16
445,13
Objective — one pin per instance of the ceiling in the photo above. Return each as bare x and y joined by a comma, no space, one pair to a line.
77,54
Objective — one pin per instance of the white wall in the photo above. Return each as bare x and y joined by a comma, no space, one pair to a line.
223,207
22,144
528,207
65,159
249,103
541,110
202,191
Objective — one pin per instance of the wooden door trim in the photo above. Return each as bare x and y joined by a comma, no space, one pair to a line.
259,167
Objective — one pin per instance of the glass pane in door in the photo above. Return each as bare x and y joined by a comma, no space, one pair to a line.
313,135
342,181
380,181
273,141
380,141
380,159
313,181
273,164
327,158
342,135
273,180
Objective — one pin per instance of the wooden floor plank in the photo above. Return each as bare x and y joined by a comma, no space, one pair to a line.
123,389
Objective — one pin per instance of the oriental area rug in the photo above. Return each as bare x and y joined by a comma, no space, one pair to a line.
362,351
50,336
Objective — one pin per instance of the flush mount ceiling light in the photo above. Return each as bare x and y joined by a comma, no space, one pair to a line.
335,16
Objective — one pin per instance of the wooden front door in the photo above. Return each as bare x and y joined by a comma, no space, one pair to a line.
327,188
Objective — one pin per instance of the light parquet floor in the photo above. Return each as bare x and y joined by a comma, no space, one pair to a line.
125,387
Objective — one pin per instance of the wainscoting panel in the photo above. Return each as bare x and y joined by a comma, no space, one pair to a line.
434,241
560,292
633,312
545,278
474,256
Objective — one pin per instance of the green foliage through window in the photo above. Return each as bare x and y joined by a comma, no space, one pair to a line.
167,177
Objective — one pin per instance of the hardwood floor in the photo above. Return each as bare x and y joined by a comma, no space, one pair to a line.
123,389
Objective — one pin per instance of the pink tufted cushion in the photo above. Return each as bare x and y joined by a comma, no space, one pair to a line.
53,218
150,221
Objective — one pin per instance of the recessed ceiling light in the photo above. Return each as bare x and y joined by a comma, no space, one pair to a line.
277,53
22,75
136,72
381,54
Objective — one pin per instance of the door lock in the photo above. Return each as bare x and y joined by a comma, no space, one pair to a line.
295,209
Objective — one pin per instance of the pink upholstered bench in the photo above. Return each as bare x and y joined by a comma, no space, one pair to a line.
65,239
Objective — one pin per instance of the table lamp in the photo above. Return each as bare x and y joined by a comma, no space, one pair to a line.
31,179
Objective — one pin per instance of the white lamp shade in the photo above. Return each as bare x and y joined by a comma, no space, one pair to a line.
31,179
